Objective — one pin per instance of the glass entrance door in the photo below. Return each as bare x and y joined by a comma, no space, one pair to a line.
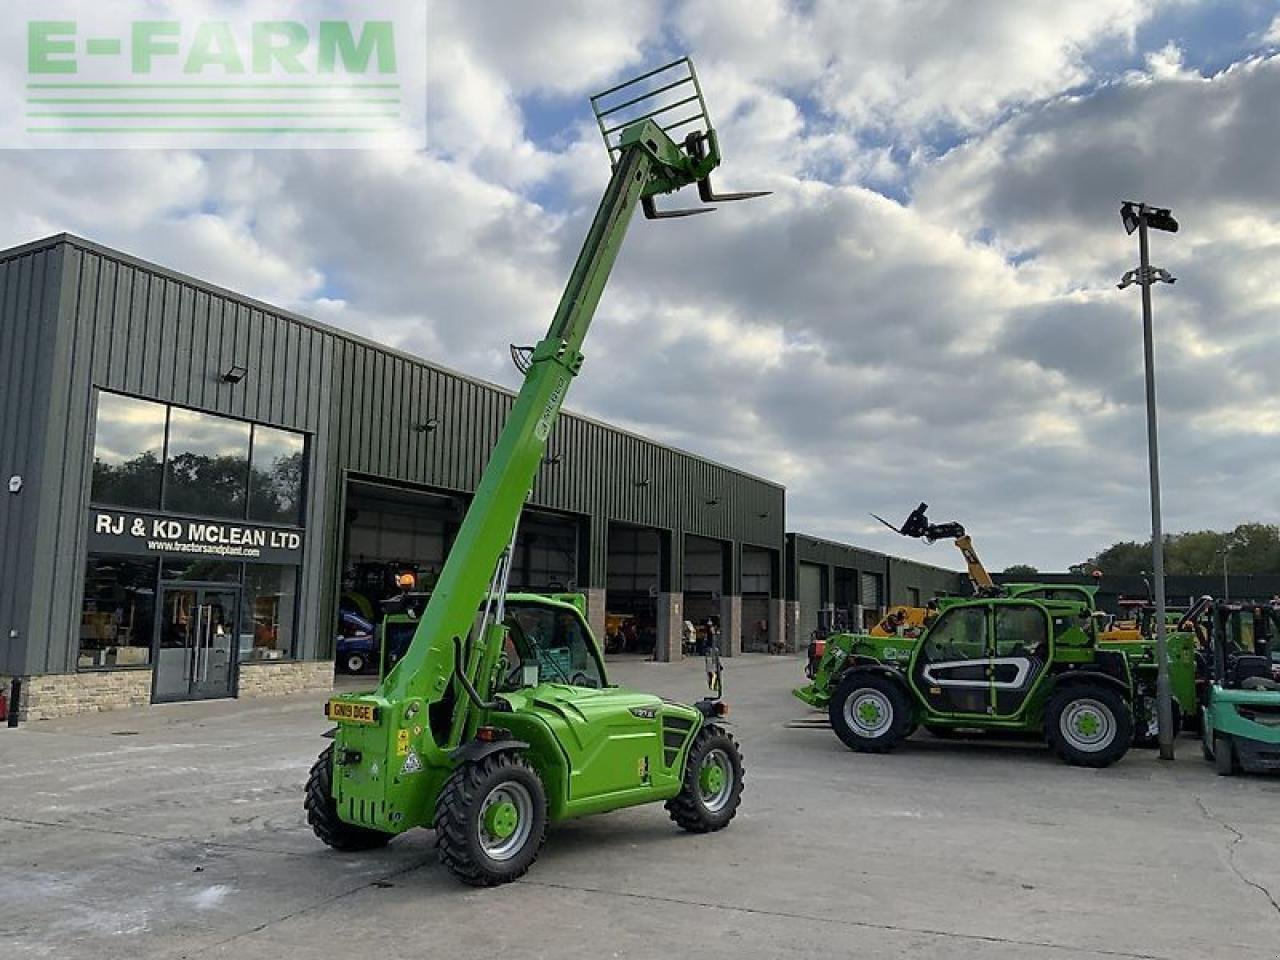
197,646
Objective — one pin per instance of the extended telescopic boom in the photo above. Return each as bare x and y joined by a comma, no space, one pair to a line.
646,162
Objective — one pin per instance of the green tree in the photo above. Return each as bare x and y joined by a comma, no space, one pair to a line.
1019,570
1249,548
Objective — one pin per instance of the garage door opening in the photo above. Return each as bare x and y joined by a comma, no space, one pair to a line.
704,561
634,579
758,588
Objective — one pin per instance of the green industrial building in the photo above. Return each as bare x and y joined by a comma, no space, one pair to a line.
200,484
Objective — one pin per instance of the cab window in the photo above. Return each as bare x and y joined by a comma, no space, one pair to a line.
959,634
1021,631
551,641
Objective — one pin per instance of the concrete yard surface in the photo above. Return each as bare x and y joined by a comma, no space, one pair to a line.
178,831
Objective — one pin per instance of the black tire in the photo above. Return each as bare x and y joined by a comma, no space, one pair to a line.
355,663
707,802
1224,755
322,812
1088,725
475,851
868,692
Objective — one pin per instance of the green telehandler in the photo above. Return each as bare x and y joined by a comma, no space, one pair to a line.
487,731
1014,664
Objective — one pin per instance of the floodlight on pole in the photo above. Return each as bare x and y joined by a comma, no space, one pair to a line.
1141,217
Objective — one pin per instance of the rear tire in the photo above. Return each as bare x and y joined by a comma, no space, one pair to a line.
355,663
713,778
870,713
491,820
1088,725
1224,755
322,812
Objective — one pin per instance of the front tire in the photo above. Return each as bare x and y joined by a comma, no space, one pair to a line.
322,812
491,820
713,778
870,713
1088,725
355,663
1224,755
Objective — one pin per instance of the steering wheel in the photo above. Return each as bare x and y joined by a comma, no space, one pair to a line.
580,679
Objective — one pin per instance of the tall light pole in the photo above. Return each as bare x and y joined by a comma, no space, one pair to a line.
1226,584
1140,216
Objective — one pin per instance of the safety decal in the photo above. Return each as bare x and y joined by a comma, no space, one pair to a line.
411,764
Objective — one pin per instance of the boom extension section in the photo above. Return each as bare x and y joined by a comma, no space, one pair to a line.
917,525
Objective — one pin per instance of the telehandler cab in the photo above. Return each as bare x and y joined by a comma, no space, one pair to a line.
489,734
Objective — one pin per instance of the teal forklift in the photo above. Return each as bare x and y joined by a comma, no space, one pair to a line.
492,725
1240,727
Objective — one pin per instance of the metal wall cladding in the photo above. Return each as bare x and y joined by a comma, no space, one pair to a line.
28,330
598,473
897,575
78,316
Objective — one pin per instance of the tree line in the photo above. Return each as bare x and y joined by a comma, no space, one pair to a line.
1249,548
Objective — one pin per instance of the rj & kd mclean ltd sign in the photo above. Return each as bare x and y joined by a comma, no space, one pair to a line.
116,531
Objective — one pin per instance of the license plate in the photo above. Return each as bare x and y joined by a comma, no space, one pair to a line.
352,712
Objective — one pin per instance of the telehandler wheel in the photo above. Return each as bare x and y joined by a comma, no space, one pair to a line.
870,713
1224,755
491,819
1088,725
322,812
713,777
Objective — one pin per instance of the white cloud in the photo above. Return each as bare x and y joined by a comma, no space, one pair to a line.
961,342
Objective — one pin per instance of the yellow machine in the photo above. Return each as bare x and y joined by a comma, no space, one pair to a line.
917,525
902,621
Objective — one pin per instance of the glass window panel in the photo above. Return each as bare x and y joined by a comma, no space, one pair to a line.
128,452
275,483
117,615
268,612
1021,631
959,634
208,464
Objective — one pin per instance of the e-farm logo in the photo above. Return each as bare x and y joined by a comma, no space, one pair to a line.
234,77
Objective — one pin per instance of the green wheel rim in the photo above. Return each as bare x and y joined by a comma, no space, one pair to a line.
1088,725
501,819
868,713
505,821
715,780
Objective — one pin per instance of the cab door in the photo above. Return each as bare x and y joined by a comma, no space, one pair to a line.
952,666
1021,654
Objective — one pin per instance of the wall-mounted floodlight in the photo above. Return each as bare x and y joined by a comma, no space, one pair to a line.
235,373
553,461
642,483
713,501
426,426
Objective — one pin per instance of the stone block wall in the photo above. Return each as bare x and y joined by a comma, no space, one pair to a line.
56,695
276,678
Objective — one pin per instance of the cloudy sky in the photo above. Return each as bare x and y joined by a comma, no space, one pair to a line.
925,309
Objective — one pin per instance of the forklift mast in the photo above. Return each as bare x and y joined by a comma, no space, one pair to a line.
646,162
